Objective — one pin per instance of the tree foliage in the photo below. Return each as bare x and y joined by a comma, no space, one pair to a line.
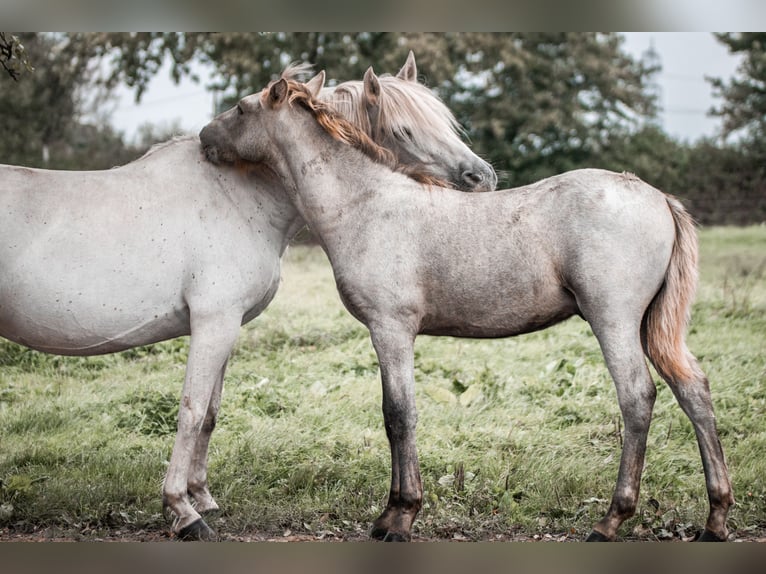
730,180
533,104
41,113
13,56
42,106
744,106
538,104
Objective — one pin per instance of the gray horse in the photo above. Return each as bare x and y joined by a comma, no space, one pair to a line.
171,245
411,259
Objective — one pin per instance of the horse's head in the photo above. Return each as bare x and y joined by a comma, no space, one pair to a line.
395,112
239,135
404,116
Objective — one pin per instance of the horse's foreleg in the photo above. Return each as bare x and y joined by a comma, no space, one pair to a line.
636,395
212,338
197,485
694,398
396,357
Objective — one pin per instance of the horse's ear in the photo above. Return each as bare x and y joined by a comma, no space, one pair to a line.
409,71
277,93
316,83
371,88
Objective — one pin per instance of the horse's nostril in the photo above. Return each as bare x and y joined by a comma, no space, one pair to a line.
478,178
472,177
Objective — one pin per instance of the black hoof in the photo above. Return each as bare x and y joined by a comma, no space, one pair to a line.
396,537
596,537
385,536
708,536
197,531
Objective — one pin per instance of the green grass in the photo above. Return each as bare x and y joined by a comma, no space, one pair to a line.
518,436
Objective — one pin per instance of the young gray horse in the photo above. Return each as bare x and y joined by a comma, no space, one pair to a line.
171,245
411,259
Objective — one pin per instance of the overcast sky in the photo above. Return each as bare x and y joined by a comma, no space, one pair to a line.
685,96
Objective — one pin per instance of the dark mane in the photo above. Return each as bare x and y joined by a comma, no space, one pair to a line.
344,131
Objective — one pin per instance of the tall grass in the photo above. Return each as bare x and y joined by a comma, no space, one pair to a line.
516,437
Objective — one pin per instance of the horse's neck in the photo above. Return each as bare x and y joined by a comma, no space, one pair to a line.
321,171
333,184
284,218
269,206
272,206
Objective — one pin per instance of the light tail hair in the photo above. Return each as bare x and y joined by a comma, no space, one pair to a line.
663,331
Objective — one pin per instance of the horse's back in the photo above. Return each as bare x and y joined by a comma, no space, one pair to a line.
523,259
615,216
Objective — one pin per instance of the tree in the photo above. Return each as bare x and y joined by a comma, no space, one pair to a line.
41,116
13,56
41,107
653,156
533,104
244,61
731,179
539,104
744,107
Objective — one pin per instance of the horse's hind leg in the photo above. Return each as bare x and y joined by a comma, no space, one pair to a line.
197,485
636,394
694,398
212,338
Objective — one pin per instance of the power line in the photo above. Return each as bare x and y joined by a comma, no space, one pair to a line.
684,77
163,100
685,111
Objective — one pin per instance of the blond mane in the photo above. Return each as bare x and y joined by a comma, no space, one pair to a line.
341,129
397,108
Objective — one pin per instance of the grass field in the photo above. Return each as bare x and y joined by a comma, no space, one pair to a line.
517,438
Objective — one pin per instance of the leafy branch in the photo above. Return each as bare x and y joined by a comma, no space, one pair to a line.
13,57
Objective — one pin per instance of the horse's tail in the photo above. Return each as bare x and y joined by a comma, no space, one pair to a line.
663,331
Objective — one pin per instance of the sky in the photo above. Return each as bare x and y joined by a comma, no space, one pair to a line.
685,96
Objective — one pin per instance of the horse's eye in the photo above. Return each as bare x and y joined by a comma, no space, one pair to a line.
404,134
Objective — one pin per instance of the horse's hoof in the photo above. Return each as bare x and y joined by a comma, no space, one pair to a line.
708,536
197,531
596,536
397,537
384,535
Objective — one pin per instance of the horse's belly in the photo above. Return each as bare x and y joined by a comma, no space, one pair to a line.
70,319
82,332
500,317
494,329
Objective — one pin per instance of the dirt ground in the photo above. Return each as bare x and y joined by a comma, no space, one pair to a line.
165,535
